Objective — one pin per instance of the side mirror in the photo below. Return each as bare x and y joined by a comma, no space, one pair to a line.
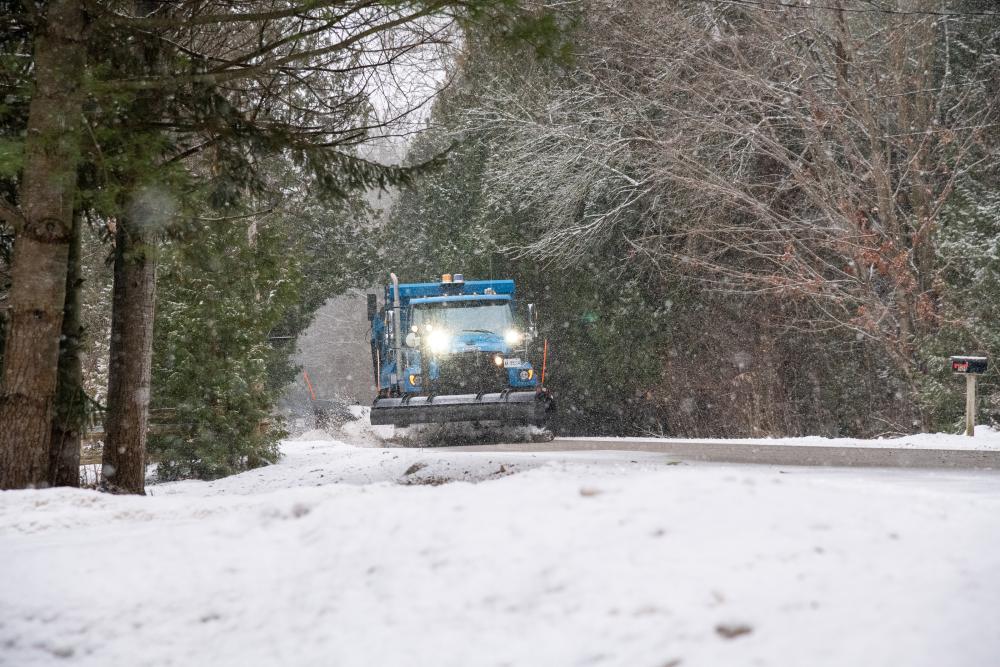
372,306
532,320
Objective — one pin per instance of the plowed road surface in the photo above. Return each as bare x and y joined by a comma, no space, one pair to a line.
788,455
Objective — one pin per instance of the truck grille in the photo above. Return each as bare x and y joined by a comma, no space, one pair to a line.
470,373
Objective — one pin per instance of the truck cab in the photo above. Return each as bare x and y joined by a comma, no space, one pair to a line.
457,337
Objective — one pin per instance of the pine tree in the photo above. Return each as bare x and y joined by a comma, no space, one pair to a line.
969,242
222,289
42,222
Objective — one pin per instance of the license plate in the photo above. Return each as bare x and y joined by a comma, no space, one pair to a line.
511,363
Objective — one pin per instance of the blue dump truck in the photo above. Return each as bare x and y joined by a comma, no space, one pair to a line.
455,351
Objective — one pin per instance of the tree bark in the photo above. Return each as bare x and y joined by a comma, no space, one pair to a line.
133,302
41,249
71,400
133,308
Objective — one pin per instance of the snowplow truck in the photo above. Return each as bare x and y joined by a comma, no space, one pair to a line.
454,351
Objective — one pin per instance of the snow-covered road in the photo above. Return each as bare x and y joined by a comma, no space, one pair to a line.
773,453
344,555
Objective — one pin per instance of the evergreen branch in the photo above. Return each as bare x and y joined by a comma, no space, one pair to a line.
243,216
222,76
265,49
161,22
193,150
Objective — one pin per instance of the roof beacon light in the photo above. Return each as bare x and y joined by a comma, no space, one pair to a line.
459,278
446,278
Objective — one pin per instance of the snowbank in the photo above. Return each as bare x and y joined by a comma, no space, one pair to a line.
986,438
342,555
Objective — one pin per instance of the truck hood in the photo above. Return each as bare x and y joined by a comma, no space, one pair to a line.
469,341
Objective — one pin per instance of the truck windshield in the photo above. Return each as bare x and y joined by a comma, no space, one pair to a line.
458,316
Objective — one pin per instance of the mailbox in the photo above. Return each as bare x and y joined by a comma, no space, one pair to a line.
968,365
971,368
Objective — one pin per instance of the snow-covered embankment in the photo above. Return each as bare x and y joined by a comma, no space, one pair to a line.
343,555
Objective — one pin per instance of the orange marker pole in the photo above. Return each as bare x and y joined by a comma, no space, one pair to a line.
545,358
309,384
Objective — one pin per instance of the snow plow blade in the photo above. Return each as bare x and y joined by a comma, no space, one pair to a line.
513,407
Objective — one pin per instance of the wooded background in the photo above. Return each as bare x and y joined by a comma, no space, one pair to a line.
736,217
739,218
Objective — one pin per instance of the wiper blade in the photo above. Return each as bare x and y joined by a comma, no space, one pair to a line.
485,331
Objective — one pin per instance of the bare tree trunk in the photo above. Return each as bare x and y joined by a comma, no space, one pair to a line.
127,422
41,248
71,406
132,318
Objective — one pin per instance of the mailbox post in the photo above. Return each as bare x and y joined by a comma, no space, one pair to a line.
971,368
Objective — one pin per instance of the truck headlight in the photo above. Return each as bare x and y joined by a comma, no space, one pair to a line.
439,341
414,379
498,360
513,337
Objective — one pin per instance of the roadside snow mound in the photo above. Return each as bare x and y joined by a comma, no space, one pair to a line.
350,556
986,438
324,462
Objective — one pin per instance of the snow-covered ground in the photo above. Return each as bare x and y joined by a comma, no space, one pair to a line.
986,438
343,555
